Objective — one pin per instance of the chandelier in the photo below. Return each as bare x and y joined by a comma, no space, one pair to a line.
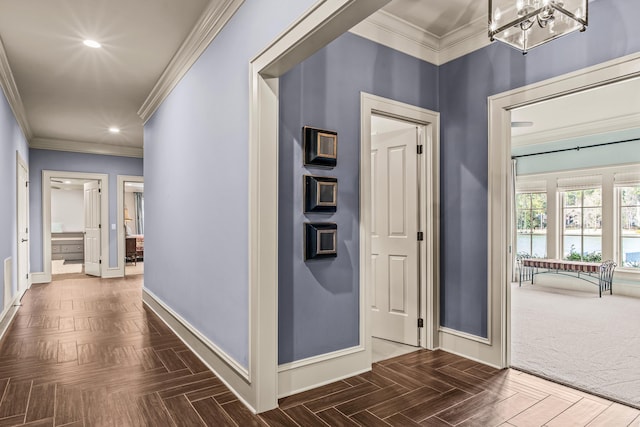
525,24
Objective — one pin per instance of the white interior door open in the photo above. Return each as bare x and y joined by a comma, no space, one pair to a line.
23,227
92,228
394,234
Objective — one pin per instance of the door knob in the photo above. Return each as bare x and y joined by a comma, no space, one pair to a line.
24,240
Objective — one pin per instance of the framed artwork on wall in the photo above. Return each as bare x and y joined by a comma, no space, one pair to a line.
320,147
320,240
320,194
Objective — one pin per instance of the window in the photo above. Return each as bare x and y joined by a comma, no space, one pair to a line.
582,225
630,226
531,211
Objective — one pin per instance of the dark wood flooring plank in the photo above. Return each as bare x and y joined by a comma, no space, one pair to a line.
212,414
340,397
277,418
335,418
192,361
12,421
367,419
440,403
372,399
303,416
408,400
171,360
207,392
468,408
68,405
399,420
41,402
15,399
241,415
306,396
153,411
182,413
67,351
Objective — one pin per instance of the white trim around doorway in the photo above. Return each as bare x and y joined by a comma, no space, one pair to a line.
429,125
45,276
498,351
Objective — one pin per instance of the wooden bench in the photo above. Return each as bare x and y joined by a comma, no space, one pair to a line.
600,274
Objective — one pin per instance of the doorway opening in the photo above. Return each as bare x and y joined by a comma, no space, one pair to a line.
68,227
81,239
130,224
578,206
399,225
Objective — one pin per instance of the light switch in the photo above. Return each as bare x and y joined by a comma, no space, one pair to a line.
113,226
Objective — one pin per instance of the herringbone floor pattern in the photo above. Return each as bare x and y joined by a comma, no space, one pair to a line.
86,352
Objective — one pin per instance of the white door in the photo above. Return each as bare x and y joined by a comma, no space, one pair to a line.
92,228
23,228
394,237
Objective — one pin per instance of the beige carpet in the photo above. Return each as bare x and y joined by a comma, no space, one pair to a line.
578,339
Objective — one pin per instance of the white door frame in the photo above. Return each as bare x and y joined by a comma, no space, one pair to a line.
499,196
429,121
21,163
121,179
46,217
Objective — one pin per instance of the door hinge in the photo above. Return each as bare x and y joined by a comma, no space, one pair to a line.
420,149
26,230
100,262
420,323
99,225
26,183
27,275
420,236
99,190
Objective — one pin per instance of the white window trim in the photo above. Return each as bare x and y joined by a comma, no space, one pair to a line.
560,181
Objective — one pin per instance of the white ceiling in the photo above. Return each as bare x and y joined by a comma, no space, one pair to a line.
72,92
599,111
438,17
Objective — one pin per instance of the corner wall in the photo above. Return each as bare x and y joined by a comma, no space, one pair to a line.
318,300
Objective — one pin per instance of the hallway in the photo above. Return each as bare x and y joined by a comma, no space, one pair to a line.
86,352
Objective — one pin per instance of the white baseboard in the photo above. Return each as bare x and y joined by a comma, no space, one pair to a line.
9,313
37,278
230,372
470,346
111,273
302,375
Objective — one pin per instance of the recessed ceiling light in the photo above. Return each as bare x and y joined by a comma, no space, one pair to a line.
92,43
114,130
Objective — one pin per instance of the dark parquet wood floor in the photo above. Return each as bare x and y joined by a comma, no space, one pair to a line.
86,352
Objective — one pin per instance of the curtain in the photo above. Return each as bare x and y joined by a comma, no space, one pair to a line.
514,223
139,206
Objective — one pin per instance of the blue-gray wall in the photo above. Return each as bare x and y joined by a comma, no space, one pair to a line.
11,140
196,181
40,160
318,300
465,84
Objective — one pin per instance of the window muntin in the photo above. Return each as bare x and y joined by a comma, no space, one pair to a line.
531,223
629,226
582,225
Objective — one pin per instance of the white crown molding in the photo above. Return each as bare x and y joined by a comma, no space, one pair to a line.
396,33
464,40
8,84
86,147
213,19
629,121
391,31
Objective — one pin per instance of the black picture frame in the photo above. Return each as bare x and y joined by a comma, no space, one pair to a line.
320,194
320,147
320,240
